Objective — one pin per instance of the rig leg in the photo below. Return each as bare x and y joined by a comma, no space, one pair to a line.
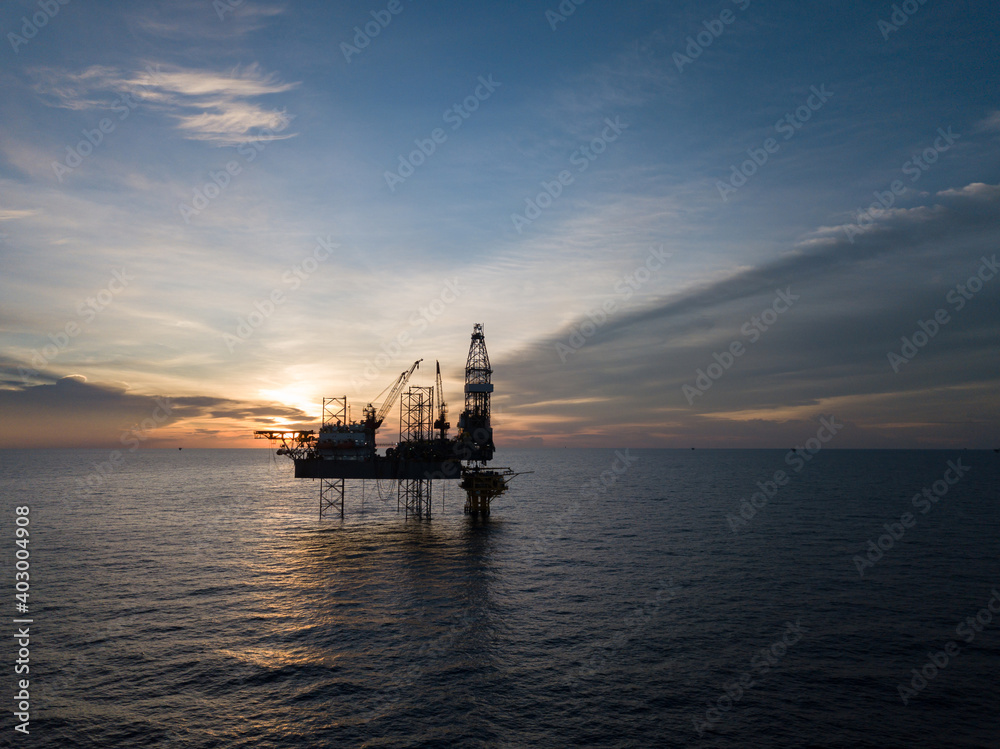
415,496
477,503
331,496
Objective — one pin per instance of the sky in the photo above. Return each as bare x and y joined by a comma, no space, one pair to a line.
681,224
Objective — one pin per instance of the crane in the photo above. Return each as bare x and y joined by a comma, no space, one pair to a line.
441,424
373,419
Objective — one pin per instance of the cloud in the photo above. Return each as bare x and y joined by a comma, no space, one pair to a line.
629,79
207,105
903,231
12,215
77,91
827,354
72,412
234,122
975,190
990,124
200,19
206,88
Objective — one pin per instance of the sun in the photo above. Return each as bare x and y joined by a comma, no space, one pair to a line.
300,396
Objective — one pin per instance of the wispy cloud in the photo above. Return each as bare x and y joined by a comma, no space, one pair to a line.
629,79
88,89
178,20
207,105
234,122
11,215
990,124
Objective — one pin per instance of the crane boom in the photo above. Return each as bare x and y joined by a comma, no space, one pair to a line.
375,418
441,424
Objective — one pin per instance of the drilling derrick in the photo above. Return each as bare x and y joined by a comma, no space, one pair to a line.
475,433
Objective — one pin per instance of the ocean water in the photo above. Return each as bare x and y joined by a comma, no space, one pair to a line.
195,599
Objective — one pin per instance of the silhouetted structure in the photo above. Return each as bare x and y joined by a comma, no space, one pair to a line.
343,449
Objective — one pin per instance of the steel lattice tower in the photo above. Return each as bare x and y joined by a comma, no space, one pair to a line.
416,414
476,432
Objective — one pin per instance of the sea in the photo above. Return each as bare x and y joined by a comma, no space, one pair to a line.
613,598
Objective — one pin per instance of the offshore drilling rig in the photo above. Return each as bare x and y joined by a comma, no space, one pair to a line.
344,449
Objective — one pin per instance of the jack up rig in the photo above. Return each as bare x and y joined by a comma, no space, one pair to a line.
345,449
